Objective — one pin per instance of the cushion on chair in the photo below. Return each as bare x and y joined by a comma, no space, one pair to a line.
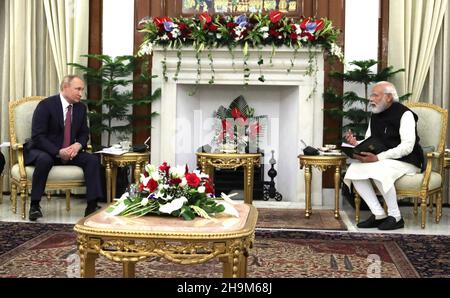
429,126
23,117
414,182
57,173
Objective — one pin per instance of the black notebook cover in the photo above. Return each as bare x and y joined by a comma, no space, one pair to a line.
371,144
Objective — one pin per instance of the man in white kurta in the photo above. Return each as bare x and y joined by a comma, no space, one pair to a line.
395,126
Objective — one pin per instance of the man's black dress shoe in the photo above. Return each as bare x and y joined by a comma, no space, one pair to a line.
91,208
390,223
371,222
35,212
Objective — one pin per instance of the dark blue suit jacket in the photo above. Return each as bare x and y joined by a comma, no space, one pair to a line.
48,127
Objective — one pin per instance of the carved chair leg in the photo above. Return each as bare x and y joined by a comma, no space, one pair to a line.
423,206
67,200
14,197
1,189
23,197
430,207
438,207
416,208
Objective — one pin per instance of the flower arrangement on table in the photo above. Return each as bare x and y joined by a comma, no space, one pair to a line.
237,128
256,30
172,191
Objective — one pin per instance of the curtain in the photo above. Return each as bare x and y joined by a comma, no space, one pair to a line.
437,85
68,27
413,32
27,66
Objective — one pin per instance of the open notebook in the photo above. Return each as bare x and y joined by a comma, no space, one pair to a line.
371,144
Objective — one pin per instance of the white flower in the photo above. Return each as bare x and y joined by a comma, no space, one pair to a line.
229,209
219,36
118,209
265,35
175,33
155,176
165,37
183,182
178,171
298,29
150,169
264,29
145,180
144,201
337,51
146,49
123,197
201,189
172,206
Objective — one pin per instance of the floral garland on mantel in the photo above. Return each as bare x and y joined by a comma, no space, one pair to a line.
206,32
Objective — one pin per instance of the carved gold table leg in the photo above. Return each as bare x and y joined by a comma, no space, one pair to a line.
337,180
87,264
308,191
108,181
227,266
248,183
23,197
113,181
137,172
129,269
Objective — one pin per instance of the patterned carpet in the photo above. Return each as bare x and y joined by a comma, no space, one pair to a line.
48,250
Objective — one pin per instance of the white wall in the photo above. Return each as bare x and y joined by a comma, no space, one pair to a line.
118,35
361,35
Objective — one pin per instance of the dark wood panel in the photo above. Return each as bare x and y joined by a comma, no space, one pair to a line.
307,8
142,8
95,47
383,34
322,8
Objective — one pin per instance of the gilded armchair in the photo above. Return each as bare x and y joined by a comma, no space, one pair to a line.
61,177
426,186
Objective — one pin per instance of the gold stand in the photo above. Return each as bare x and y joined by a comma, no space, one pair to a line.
137,159
209,161
322,163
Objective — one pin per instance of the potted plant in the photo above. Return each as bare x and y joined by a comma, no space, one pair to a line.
111,113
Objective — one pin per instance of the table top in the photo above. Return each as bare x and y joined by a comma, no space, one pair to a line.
127,155
322,157
221,226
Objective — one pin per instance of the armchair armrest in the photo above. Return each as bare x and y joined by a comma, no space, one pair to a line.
89,148
20,160
429,168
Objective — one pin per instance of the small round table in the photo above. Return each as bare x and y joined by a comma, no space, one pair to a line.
209,161
322,163
111,161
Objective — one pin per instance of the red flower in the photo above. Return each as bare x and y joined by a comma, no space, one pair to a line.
160,20
164,167
320,24
182,26
152,185
274,33
192,180
275,16
308,35
236,113
294,36
231,25
304,23
213,27
175,181
209,188
141,187
205,17
255,129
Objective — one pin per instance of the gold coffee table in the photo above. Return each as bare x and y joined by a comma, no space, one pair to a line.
209,161
129,240
322,162
113,161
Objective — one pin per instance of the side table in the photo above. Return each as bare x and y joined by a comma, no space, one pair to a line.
137,159
209,161
322,163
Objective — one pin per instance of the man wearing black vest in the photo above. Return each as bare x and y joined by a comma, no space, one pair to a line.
59,136
396,127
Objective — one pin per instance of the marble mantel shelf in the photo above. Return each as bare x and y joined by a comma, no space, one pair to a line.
229,70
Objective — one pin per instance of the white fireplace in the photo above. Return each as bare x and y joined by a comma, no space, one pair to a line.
292,101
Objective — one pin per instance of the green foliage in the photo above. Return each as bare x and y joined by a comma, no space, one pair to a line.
355,107
113,77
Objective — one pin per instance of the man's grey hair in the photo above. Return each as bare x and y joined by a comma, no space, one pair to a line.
67,80
389,88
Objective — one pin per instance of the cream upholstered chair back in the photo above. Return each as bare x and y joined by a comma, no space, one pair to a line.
431,126
20,117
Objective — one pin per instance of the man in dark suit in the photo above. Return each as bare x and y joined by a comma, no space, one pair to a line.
59,136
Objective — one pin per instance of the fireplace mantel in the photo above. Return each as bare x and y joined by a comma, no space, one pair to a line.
304,91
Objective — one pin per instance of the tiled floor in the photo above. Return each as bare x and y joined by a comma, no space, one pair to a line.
55,212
